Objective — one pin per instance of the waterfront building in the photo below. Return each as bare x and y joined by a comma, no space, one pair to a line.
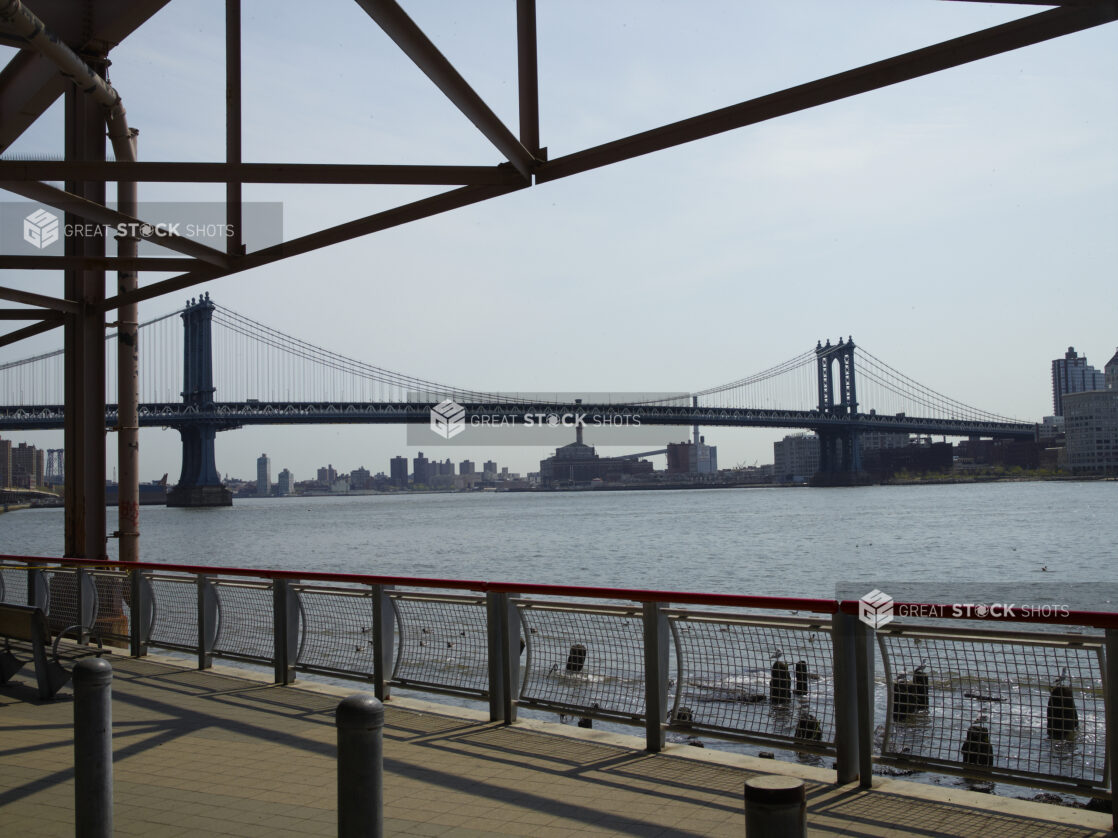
327,476
578,464
360,478
490,469
446,468
27,466
1110,372
1072,374
466,467
5,463
421,471
1091,432
285,483
398,471
692,457
263,476
795,458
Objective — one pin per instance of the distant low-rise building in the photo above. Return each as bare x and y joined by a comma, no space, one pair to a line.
795,458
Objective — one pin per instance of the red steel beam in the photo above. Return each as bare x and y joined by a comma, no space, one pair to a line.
942,56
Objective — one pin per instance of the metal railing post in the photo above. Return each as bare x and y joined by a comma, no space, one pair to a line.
1111,711
208,614
37,593
503,629
360,723
86,604
93,748
285,629
139,604
655,674
847,739
384,631
864,668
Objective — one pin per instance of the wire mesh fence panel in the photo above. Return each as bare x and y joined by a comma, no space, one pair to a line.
997,707
175,623
62,599
247,625
13,585
338,630
113,612
773,682
583,658
442,642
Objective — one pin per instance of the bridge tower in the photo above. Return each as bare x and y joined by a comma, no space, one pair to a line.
840,451
199,484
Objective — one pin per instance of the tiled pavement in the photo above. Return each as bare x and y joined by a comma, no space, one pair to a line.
223,753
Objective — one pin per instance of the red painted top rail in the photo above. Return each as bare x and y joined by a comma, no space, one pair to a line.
822,606
1093,619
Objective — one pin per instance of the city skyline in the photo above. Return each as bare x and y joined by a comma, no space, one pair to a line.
936,221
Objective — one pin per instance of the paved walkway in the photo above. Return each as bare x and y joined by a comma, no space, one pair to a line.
219,753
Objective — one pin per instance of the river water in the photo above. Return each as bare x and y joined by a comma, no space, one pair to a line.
771,541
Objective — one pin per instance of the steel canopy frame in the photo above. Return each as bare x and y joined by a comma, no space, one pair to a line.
25,94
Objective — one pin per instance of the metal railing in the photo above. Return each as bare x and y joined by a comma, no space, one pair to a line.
976,699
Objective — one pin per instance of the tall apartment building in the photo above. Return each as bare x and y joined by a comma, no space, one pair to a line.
1091,431
421,470
5,463
1110,372
466,467
398,472
1072,374
285,483
263,476
27,466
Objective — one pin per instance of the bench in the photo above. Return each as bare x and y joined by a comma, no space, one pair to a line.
28,624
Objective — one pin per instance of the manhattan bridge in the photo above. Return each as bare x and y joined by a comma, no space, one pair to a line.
218,370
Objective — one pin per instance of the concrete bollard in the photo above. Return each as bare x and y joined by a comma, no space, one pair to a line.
775,807
93,748
360,723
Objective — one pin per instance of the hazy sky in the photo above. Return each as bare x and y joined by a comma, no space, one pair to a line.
961,227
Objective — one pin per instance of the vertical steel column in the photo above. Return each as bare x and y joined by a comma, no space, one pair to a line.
93,748
503,629
528,75
35,587
384,631
655,674
1111,694
84,336
208,616
848,737
87,602
285,629
233,208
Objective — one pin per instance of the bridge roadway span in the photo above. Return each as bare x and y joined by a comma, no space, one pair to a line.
229,415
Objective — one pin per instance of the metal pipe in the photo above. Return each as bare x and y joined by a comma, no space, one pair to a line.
93,748
26,25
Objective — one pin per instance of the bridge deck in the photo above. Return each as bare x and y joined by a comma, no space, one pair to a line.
223,753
